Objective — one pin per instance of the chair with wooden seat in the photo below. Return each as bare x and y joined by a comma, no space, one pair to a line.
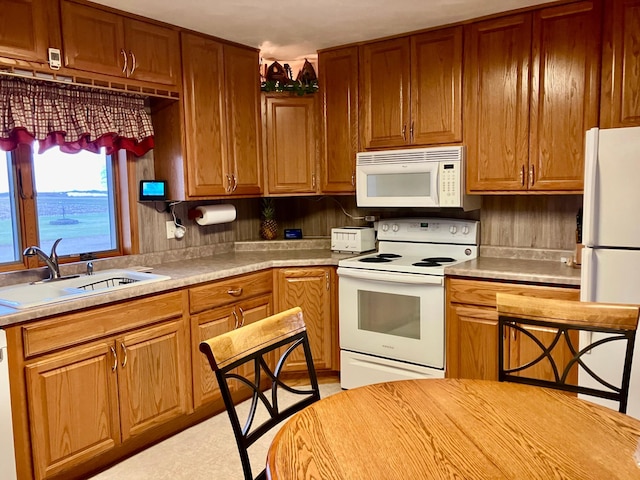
552,355
257,345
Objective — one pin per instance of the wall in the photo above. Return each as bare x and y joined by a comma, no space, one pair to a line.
527,221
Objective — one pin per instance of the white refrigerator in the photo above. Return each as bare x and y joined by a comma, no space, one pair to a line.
611,238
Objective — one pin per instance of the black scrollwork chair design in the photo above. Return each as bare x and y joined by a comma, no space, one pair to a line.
551,329
257,345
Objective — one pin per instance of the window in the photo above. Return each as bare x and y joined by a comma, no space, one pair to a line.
58,195
75,201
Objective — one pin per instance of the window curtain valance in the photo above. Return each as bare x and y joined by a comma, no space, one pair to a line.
72,117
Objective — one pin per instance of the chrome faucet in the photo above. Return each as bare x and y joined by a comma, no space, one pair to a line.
51,260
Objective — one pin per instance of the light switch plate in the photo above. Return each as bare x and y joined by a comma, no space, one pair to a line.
171,229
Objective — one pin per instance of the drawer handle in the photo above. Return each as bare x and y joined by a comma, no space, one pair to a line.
236,292
124,350
115,359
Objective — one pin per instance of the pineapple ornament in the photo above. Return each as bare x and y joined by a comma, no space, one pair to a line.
268,226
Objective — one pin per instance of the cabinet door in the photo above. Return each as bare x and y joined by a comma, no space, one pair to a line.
73,407
28,28
204,326
154,52
152,376
204,116
291,144
384,85
523,349
497,58
310,289
436,87
338,79
243,116
477,352
248,312
620,105
93,39
565,85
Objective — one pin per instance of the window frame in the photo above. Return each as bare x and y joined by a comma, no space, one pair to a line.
23,178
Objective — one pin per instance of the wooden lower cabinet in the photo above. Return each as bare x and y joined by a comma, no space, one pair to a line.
86,393
312,289
472,327
217,308
216,322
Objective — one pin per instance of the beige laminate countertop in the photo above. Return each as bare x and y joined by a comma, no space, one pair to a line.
184,273
521,270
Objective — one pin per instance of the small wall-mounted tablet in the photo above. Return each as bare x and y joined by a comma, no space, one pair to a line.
153,190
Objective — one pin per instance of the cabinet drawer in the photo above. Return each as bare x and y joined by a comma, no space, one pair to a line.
475,292
67,330
224,292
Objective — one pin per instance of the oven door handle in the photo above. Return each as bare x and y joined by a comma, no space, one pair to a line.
389,277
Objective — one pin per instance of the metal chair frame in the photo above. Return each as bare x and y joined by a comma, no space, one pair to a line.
609,391
245,436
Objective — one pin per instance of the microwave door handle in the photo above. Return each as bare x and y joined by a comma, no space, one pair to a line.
389,277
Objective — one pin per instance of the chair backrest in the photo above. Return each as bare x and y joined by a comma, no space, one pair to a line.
259,343
551,329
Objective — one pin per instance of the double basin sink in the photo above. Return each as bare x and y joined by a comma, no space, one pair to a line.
47,292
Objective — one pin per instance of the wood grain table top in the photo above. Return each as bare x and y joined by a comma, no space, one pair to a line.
448,428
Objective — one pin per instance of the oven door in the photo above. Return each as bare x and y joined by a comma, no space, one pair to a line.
397,185
392,315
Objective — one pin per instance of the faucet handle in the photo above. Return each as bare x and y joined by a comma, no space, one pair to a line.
54,255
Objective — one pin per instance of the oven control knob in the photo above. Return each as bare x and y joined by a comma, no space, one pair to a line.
395,227
385,227
465,230
453,229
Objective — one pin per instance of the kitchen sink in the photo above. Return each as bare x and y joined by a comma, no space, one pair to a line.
44,293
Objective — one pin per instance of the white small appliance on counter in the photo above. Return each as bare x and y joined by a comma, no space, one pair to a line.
353,239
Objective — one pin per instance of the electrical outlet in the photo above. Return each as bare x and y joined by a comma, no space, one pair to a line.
171,229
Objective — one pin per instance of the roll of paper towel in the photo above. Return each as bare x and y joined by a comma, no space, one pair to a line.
214,214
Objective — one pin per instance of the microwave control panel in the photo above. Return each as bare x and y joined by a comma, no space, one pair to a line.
449,181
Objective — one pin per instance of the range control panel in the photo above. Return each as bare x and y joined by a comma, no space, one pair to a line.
433,230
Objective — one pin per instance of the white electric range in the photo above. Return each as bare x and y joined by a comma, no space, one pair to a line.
392,302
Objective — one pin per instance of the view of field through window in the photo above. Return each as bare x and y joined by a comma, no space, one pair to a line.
74,201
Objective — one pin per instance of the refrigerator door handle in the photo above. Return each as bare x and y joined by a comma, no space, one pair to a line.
587,275
590,172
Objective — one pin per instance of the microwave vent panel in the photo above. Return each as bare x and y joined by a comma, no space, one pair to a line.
416,155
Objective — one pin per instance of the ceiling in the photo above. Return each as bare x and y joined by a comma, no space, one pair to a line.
293,30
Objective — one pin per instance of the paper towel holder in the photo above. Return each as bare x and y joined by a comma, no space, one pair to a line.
194,213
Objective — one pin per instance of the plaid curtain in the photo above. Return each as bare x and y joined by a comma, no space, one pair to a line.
72,117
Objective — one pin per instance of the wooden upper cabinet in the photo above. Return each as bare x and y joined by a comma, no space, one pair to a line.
221,99
411,90
291,144
565,86
531,139
620,98
28,28
204,115
384,85
242,85
496,66
154,52
338,79
103,42
436,86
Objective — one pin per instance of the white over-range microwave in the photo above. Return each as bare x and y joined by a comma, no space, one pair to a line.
418,177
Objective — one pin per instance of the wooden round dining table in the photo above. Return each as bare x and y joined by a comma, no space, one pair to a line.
453,428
